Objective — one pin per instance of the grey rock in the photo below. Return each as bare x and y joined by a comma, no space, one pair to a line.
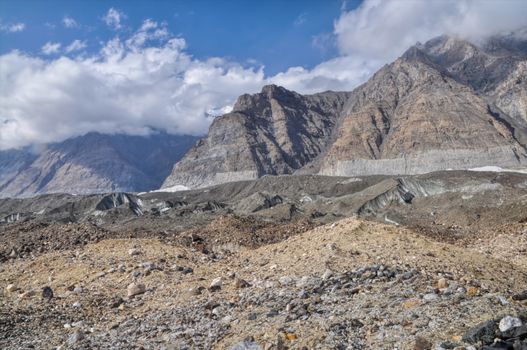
134,289
247,345
484,332
47,293
76,337
509,322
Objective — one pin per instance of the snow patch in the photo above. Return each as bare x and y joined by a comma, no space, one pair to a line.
497,169
175,188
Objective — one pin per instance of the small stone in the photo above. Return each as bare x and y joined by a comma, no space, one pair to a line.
216,284
520,296
11,288
285,280
291,336
442,283
197,290
241,283
115,302
75,337
430,297
135,289
47,293
246,345
472,291
27,294
77,290
272,313
502,300
484,332
422,344
327,274
76,304
509,322
134,251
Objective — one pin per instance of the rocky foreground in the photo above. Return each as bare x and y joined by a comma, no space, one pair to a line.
351,284
435,261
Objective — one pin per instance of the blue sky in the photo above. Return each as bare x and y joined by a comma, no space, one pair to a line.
276,33
71,67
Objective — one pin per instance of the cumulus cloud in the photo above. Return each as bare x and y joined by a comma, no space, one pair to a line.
50,48
126,87
383,29
113,18
147,79
12,28
149,30
69,22
76,45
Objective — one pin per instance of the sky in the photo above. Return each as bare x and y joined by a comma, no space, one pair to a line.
71,67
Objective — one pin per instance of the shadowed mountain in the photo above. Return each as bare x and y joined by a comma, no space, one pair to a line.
93,163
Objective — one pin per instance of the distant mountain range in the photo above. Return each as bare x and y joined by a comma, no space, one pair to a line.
92,163
445,104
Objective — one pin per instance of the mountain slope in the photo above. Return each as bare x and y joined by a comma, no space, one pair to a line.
273,132
495,70
447,104
412,117
93,163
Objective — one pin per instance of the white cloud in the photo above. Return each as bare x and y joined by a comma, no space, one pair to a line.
120,89
149,80
13,28
76,45
301,19
150,30
113,18
50,48
383,29
69,22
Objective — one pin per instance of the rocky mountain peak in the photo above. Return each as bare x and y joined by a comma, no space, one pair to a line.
258,102
444,104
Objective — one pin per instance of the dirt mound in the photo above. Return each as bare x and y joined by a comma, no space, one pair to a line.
232,233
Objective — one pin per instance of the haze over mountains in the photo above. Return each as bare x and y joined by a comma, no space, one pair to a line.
92,163
445,104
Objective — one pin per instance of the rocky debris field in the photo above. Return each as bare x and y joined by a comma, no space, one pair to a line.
347,285
279,263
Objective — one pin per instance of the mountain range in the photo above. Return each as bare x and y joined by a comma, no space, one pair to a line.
444,104
92,163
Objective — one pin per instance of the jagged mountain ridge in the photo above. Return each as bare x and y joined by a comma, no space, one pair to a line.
92,163
273,132
445,104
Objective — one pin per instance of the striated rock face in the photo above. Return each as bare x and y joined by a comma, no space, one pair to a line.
447,104
497,70
92,163
413,117
273,132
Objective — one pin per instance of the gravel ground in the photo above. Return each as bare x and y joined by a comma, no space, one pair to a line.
352,284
